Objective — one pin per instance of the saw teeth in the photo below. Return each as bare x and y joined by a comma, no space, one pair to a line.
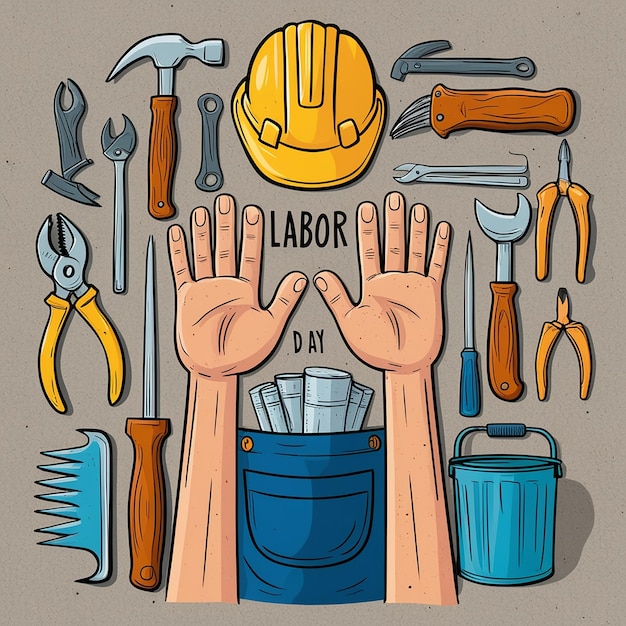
69,512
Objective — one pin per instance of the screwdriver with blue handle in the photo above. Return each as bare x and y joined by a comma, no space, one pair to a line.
469,405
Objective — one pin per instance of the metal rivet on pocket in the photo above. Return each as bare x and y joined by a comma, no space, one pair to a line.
247,444
374,442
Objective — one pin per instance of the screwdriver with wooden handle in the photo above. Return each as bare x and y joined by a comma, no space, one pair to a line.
146,502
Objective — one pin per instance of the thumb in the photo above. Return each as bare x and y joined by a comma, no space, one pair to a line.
334,294
286,297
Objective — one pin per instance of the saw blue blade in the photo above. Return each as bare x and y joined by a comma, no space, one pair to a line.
84,488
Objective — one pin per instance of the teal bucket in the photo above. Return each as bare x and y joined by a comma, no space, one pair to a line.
505,510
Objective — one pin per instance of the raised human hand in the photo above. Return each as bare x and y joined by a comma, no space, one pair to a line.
397,325
221,327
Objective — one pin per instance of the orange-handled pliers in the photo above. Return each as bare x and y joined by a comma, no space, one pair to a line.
578,337
548,197
67,269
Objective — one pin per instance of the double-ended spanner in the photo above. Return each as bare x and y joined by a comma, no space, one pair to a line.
118,149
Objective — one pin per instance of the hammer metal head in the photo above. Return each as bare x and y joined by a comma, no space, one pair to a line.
168,51
504,229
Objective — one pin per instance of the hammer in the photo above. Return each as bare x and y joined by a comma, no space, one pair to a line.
503,345
167,52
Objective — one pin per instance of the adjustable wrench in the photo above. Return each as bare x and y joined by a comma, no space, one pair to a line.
118,149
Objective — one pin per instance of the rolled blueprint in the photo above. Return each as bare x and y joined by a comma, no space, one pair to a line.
326,395
290,391
274,408
259,407
356,395
356,423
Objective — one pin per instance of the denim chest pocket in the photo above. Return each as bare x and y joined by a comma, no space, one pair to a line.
309,522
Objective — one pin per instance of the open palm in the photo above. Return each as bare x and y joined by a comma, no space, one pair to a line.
398,323
221,328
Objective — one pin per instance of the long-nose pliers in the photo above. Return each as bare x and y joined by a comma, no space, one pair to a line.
578,337
548,197
66,267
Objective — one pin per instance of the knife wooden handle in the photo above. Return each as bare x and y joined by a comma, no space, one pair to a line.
503,348
501,109
162,156
146,502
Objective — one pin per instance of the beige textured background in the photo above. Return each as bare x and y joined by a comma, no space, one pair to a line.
574,44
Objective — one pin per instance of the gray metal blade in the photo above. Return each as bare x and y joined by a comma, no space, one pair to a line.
149,339
469,296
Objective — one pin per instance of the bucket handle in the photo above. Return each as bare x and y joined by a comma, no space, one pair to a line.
505,430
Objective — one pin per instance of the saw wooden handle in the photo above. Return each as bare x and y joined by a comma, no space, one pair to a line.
501,109
162,156
503,349
146,502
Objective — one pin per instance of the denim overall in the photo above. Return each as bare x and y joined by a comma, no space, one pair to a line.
311,512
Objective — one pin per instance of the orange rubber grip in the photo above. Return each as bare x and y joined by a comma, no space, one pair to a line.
502,110
146,502
503,349
162,157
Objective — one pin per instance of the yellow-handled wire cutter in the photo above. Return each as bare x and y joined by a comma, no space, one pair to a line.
548,197
579,339
66,267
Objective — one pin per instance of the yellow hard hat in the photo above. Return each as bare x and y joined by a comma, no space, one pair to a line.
309,113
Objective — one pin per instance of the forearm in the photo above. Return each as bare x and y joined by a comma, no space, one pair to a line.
204,553
419,554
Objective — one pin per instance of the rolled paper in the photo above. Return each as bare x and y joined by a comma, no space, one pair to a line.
274,408
326,395
364,404
259,407
356,395
290,391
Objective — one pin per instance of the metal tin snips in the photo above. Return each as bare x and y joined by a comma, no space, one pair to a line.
486,175
65,263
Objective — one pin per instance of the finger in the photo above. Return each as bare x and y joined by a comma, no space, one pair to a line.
178,256
417,242
439,256
334,294
286,297
394,233
201,232
369,248
225,252
251,245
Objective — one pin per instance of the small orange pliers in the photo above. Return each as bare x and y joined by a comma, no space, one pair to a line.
548,197
578,337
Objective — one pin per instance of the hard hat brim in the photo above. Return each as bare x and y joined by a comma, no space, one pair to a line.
309,169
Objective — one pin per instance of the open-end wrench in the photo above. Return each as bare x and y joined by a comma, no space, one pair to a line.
118,149
503,347
210,176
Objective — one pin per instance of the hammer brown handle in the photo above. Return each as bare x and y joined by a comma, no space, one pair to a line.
501,109
503,350
162,156
146,502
